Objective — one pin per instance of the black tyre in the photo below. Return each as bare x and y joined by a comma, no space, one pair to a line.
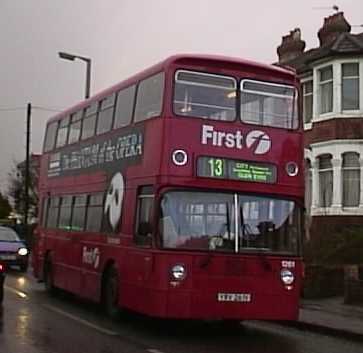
232,324
49,278
110,293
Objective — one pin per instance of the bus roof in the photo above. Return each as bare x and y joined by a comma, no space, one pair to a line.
181,59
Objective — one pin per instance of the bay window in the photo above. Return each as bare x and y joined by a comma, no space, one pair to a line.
308,101
326,89
325,180
350,86
351,179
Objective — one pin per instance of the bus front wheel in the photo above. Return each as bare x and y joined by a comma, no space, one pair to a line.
111,293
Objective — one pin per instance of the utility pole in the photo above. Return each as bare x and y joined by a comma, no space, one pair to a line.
27,171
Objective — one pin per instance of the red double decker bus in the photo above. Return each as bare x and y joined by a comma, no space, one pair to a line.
178,193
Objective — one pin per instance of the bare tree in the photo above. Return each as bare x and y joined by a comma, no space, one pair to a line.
5,207
17,189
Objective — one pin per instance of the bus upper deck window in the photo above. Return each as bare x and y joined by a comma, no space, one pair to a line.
269,104
50,136
89,121
62,135
149,97
124,106
105,116
204,95
75,127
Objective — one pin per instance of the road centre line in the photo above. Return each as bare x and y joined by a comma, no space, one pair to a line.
80,320
16,291
154,351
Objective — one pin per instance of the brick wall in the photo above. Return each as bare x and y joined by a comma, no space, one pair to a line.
335,129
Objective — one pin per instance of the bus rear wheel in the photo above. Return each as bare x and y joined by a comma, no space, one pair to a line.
111,293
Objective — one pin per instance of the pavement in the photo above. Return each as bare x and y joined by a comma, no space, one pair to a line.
331,316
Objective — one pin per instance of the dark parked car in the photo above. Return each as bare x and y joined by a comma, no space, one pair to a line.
2,278
13,251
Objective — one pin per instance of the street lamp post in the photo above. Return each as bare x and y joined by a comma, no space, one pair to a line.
73,57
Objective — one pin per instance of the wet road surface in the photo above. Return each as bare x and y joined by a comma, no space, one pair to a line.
33,322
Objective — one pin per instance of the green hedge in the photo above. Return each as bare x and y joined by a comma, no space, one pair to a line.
325,256
335,247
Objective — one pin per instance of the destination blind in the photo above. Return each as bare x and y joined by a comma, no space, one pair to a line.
222,168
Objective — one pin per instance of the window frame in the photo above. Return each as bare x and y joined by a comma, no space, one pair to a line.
69,207
308,176
204,73
100,205
56,124
133,105
63,124
322,203
75,206
45,211
343,78
73,116
324,83
138,86
144,192
94,113
344,169
295,110
53,199
305,95
101,108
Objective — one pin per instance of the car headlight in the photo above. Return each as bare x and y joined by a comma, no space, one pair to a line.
178,272
23,251
287,277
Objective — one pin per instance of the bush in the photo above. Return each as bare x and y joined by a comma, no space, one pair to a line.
323,281
325,256
335,247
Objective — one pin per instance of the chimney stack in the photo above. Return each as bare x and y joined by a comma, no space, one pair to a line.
291,46
333,26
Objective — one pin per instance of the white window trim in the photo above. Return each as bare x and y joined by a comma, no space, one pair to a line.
337,91
319,86
336,148
307,126
356,61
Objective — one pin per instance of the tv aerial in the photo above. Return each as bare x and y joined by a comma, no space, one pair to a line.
334,7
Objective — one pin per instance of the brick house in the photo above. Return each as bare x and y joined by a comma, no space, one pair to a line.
332,90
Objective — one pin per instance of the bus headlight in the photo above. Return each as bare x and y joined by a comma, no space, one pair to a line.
178,272
23,251
287,277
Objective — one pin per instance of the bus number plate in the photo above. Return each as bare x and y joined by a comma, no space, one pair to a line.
234,297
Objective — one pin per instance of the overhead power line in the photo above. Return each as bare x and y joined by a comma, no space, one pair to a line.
48,109
11,109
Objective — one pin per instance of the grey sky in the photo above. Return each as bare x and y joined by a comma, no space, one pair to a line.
123,37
